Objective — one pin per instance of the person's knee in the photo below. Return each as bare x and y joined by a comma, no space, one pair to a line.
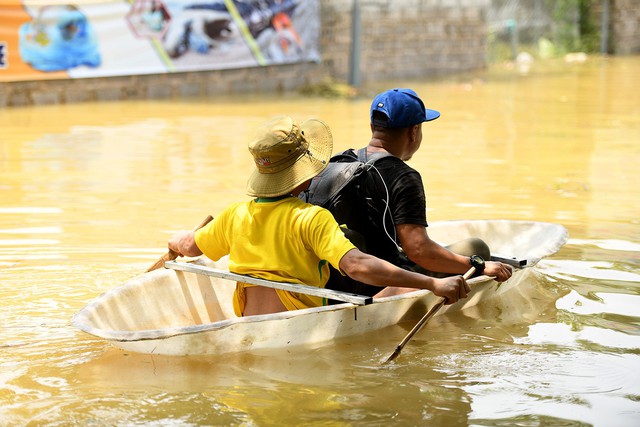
480,248
471,246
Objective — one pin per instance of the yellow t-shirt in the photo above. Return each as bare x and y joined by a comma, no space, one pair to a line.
285,240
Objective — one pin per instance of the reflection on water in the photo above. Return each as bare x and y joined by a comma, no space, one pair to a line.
562,334
582,386
602,302
601,270
90,193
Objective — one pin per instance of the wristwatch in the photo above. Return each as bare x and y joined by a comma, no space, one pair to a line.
477,262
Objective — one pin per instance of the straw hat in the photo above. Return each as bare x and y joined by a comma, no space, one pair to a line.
287,154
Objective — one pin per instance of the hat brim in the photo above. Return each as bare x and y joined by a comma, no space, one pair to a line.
432,114
320,140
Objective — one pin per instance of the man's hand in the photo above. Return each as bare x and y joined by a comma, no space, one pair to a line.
500,271
452,288
183,243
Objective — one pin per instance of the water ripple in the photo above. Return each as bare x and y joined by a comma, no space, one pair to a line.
565,335
599,270
600,302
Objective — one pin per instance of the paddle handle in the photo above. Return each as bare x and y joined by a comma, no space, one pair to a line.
424,320
171,255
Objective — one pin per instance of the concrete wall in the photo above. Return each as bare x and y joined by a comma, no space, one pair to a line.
625,25
398,39
405,38
159,86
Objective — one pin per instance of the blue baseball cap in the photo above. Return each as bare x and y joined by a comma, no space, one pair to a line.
402,108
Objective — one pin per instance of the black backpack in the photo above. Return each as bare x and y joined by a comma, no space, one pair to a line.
338,187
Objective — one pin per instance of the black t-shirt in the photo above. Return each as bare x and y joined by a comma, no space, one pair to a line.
393,180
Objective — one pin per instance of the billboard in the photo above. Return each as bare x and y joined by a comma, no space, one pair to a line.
99,38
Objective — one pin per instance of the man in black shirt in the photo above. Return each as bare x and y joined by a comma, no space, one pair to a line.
396,229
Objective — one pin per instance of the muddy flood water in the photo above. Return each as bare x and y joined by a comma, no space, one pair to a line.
90,193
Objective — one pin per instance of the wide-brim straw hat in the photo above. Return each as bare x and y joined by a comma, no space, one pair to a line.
286,154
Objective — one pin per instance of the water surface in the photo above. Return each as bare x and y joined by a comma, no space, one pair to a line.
90,193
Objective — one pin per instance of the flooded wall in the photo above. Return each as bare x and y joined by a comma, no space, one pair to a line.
404,39
624,22
400,39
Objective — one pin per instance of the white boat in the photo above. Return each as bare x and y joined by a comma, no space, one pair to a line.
173,312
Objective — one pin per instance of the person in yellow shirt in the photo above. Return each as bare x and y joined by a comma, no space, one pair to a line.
276,236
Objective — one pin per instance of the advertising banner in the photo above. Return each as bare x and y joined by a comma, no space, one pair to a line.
98,38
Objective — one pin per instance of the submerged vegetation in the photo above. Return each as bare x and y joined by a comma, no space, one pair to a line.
329,88
577,28
558,28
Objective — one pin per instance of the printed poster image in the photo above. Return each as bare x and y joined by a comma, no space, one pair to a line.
242,33
94,39
148,18
58,38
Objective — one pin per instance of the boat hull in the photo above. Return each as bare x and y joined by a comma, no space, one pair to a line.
179,313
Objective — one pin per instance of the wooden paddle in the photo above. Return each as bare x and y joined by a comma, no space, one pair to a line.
424,320
171,255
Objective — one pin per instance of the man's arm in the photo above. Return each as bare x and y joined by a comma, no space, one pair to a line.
428,254
374,271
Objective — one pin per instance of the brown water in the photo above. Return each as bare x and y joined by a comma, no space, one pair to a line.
90,193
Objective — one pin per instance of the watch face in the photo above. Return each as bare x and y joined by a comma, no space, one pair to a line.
477,260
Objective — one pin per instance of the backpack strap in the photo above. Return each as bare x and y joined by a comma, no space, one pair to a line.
362,155
364,158
346,156
326,185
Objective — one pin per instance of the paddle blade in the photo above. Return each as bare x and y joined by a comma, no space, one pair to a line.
393,355
424,320
169,256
